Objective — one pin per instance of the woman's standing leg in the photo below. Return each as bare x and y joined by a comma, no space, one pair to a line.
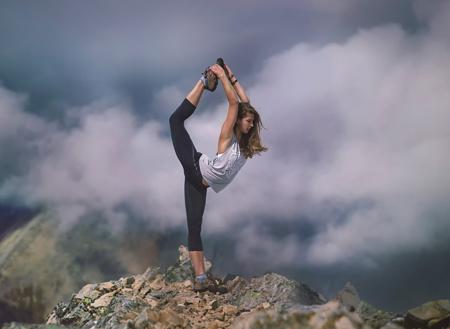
195,200
195,192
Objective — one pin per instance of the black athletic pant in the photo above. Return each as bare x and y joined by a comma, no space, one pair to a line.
194,190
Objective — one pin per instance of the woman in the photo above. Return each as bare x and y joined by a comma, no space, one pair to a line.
239,140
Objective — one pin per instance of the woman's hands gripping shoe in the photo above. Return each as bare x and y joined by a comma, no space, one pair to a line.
218,71
209,79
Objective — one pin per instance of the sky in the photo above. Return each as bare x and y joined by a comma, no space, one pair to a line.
353,96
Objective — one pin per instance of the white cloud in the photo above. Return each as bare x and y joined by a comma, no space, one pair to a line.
14,123
107,160
386,91
361,125
363,121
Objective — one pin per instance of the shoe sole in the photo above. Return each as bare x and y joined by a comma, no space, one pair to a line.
212,79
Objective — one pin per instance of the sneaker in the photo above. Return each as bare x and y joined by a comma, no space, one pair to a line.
209,80
200,286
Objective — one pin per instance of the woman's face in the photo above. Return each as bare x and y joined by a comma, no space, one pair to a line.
246,123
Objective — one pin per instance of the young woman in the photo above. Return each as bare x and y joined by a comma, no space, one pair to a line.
239,140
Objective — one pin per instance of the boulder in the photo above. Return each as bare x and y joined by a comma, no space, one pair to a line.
274,289
434,314
182,270
349,297
377,318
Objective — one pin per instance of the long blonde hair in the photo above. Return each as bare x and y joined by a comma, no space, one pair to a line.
250,143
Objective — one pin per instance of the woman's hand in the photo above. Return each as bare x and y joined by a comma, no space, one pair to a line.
218,70
227,87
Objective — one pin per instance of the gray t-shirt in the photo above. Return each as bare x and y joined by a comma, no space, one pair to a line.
220,171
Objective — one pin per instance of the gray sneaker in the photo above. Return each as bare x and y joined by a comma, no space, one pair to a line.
209,80
200,286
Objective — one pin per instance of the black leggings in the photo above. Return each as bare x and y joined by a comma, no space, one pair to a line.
194,190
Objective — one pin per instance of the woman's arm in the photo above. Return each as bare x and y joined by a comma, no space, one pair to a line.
226,132
237,86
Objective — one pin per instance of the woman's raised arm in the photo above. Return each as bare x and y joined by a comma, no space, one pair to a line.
237,86
227,87
226,132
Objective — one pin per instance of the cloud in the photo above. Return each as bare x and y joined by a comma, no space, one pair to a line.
363,124
73,53
358,141
385,92
106,160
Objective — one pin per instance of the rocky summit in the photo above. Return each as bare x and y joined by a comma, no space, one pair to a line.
164,300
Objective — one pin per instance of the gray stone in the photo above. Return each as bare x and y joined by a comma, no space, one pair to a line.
275,289
349,297
151,272
374,317
182,270
434,314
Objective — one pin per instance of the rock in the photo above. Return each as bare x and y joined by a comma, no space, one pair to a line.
42,264
374,317
220,316
106,287
434,314
142,320
214,304
348,297
149,300
193,300
127,282
391,325
329,315
150,273
183,270
399,321
236,284
152,302
128,316
88,291
145,290
168,316
153,316
52,319
138,284
230,309
344,323
275,289
157,283
213,325
229,277
104,300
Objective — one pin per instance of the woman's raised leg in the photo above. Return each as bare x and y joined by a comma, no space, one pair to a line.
196,93
182,143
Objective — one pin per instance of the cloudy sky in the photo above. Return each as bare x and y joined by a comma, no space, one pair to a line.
353,95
